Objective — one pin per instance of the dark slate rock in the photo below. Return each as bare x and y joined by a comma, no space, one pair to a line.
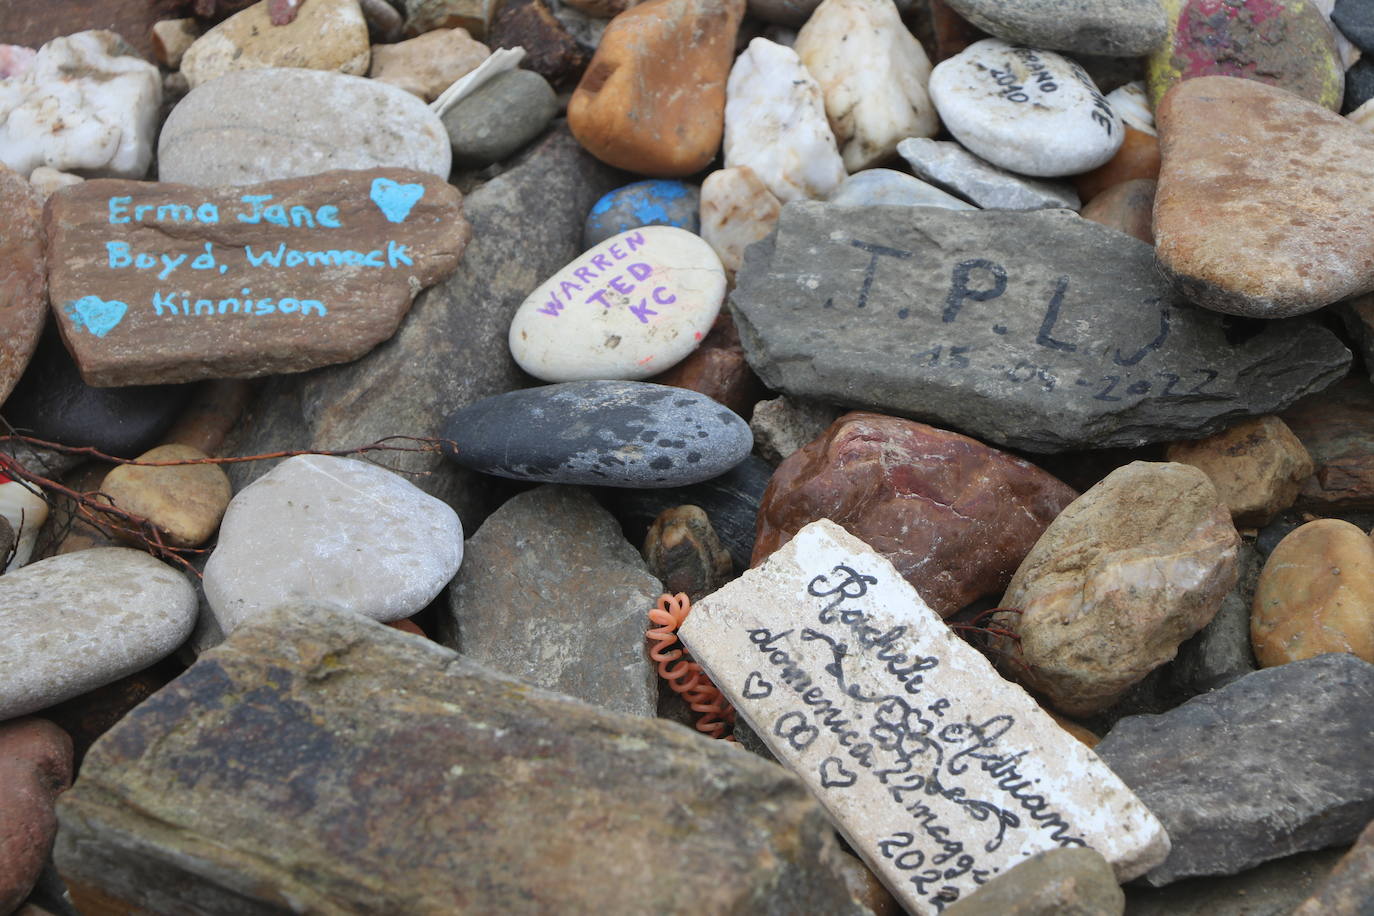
452,349
500,118
555,549
1274,763
1271,889
1036,330
731,502
1124,28
1355,19
656,202
606,433
1359,85
321,762
51,402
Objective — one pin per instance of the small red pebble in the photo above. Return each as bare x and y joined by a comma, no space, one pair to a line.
283,12
407,626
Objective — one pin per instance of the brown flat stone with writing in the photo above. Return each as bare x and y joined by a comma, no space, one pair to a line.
23,307
940,773
157,283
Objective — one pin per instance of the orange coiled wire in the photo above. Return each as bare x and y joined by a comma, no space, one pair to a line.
686,677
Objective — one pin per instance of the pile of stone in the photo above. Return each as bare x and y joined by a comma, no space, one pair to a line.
995,377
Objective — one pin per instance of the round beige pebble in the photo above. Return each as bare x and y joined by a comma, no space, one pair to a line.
185,501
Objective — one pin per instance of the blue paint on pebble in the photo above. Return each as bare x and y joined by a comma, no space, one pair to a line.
655,202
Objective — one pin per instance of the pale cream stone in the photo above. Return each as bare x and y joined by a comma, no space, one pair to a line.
1132,103
775,123
1364,115
87,104
427,65
627,308
48,181
172,38
325,35
938,772
26,511
873,74
737,210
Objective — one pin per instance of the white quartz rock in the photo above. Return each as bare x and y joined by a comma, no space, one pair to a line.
873,74
737,210
86,105
629,307
1030,111
1133,105
886,187
775,123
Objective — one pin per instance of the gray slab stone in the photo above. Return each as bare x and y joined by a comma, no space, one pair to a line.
452,348
552,594
1125,28
1274,763
1272,889
946,164
1036,330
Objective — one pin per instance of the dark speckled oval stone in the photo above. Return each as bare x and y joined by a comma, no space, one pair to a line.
607,433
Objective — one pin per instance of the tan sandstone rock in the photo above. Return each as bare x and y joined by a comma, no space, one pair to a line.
428,64
326,35
1133,567
1258,466
185,501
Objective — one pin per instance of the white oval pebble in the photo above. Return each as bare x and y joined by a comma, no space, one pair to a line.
76,622
1027,110
628,308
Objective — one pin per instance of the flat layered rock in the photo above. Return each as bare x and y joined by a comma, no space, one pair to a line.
1037,330
924,757
23,282
169,283
1265,237
284,771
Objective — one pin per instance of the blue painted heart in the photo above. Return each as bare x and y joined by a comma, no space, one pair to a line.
97,315
396,200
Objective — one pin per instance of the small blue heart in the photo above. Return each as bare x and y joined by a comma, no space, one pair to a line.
395,200
99,317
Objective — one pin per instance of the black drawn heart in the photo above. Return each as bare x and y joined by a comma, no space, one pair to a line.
755,687
835,776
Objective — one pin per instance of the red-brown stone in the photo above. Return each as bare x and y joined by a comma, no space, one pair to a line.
1337,429
35,767
718,370
954,516
23,282
550,50
33,23
336,260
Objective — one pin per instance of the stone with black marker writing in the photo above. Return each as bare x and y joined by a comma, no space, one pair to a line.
1031,111
628,308
170,283
940,774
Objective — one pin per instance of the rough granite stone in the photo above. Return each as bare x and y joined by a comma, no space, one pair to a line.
948,165
284,770
957,319
553,595
1274,763
339,532
1058,882
75,622
1122,28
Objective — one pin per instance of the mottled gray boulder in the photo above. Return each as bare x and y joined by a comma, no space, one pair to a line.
553,594
1036,330
946,164
1124,28
1274,763
1056,882
452,348
321,762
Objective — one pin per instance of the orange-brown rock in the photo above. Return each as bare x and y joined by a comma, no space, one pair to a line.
1135,566
1138,157
35,767
1258,466
23,280
1315,595
653,98
1264,236
953,515
1337,429
1127,207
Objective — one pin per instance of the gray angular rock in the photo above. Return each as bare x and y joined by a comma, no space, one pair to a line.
263,125
1274,763
1036,330
1119,28
887,187
452,348
1271,889
606,433
79,621
946,164
783,425
552,594
499,118
320,762
1056,882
